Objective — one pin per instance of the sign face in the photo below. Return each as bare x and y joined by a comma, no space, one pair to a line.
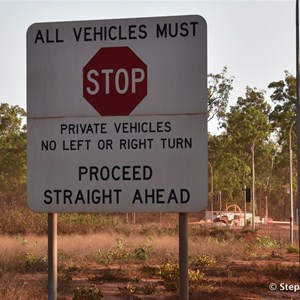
117,115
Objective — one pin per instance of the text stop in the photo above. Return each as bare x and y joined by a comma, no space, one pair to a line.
120,81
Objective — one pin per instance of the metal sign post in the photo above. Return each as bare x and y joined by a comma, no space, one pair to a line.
52,256
183,257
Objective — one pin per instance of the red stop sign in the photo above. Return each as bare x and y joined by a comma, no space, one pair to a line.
115,81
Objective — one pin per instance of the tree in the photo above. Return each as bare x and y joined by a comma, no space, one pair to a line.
219,88
284,111
12,153
248,128
283,118
227,166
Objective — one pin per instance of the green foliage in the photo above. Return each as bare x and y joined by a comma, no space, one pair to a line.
284,112
203,261
34,263
246,135
282,120
267,242
195,276
12,154
119,254
91,292
84,223
122,252
222,234
142,252
247,123
17,219
170,273
219,88
147,289
292,249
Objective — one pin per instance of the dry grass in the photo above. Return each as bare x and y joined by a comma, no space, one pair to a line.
110,260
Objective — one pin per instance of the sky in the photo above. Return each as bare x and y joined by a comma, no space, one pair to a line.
255,40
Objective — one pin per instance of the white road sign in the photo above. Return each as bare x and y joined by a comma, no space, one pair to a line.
117,117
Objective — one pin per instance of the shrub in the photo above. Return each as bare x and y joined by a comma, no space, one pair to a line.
222,234
34,263
88,293
267,242
148,289
170,273
292,249
203,261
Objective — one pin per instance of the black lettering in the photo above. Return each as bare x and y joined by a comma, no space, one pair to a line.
131,32
167,127
57,40
82,171
143,32
149,196
161,32
95,196
194,27
114,176
107,196
57,193
137,197
111,36
85,197
136,173
105,144
118,127
72,128
147,172
47,194
39,37
126,173
176,143
48,145
104,171
63,127
80,197
87,34
48,37
184,30
98,33
134,127
159,196
77,34
67,196
120,34
118,191
175,30
184,196
172,196
93,173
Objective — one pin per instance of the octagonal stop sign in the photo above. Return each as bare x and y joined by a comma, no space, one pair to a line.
115,81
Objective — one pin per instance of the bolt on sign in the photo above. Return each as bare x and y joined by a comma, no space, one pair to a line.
117,115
